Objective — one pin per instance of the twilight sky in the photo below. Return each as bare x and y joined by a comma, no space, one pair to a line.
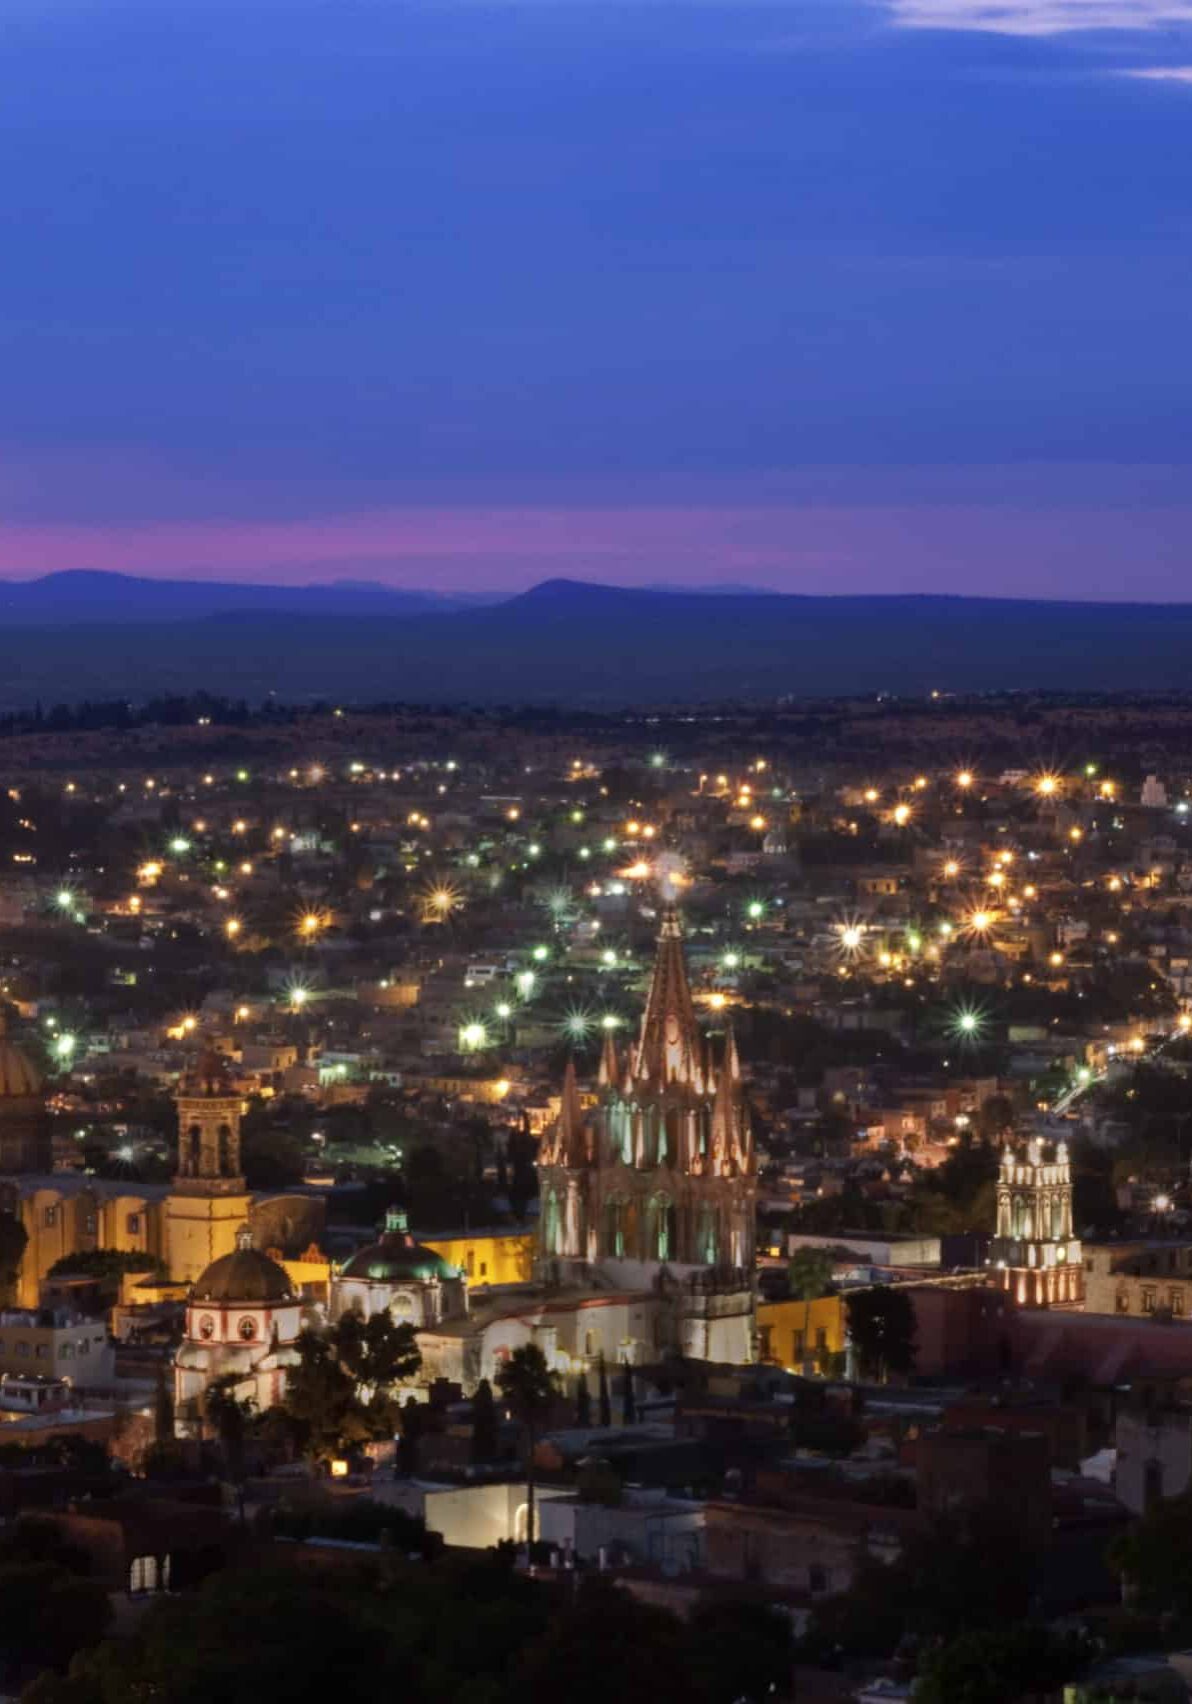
824,295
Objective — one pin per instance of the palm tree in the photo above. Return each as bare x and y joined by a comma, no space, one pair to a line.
529,1388
228,1416
606,1407
810,1277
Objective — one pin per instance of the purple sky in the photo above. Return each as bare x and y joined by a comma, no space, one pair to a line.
822,295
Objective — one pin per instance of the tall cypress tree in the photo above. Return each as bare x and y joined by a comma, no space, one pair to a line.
484,1423
583,1402
163,1410
628,1406
407,1444
605,1401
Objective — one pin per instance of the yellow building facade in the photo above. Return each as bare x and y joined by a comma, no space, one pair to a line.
71,1214
798,1335
487,1257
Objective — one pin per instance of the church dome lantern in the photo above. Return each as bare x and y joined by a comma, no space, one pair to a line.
396,1257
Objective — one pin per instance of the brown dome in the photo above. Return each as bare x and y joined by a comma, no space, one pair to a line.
243,1276
19,1077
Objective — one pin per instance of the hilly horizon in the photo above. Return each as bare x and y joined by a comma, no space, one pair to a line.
576,644
92,594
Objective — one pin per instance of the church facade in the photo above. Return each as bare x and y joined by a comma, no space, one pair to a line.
1034,1254
243,1319
654,1188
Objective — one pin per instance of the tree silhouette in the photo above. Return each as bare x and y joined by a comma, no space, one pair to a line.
529,1388
13,1238
810,1276
628,1405
484,1423
583,1402
881,1325
228,1416
602,1395
163,1410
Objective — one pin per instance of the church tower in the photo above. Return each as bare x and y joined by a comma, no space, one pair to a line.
658,1181
209,1202
1034,1254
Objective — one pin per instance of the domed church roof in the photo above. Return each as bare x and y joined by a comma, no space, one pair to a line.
396,1256
19,1077
243,1276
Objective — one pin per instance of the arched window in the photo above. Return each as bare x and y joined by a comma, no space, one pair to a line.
662,1228
224,1136
192,1150
708,1236
670,1145
614,1228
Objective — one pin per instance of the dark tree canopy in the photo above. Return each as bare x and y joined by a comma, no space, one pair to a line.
881,1324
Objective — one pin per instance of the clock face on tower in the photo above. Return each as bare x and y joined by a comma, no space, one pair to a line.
206,1327
247,1328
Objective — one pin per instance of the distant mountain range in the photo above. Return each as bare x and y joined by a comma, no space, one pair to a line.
87,595
563,642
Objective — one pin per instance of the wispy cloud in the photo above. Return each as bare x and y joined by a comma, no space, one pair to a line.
1040,17
1162,73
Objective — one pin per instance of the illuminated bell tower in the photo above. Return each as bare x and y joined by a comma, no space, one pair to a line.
1034,1254
209,1203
